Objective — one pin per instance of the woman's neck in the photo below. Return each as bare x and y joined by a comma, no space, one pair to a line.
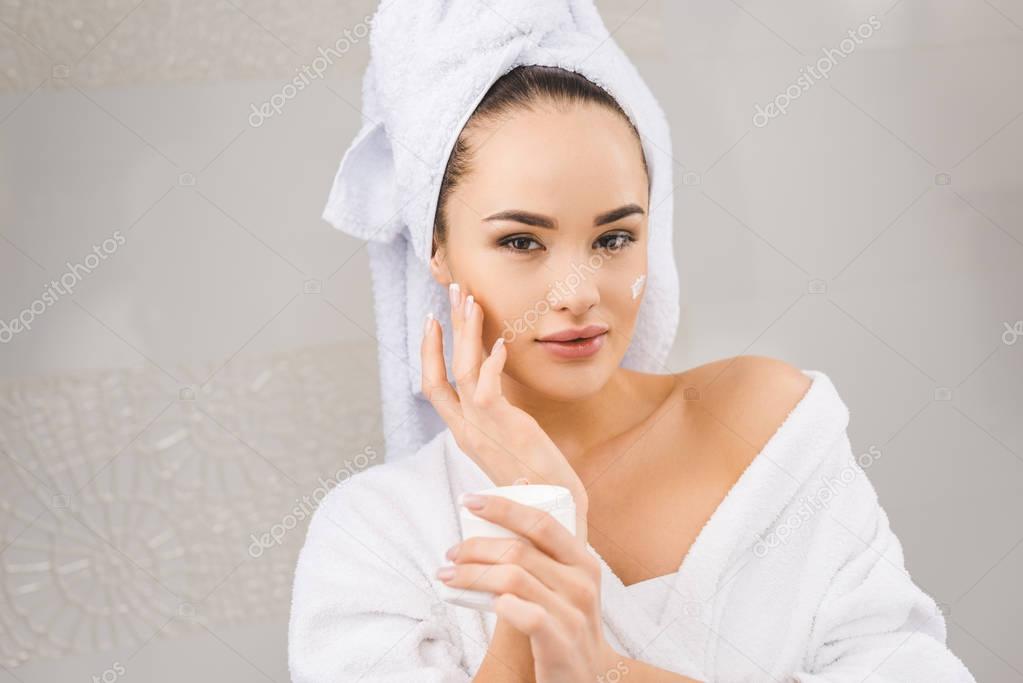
580,425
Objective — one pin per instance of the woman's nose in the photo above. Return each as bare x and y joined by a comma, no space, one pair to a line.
576,285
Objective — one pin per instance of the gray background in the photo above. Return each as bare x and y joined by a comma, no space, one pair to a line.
220,362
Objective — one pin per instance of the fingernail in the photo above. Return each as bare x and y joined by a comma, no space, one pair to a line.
429,319
472,501
497,344
445,573
452,551
468,305
453,294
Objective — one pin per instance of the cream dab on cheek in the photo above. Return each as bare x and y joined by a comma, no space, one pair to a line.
637,286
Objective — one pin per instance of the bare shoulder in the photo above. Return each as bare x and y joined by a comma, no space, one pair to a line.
749,396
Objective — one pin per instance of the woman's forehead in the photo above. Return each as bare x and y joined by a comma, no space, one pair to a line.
556,159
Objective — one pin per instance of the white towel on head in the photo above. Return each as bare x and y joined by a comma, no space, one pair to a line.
431,62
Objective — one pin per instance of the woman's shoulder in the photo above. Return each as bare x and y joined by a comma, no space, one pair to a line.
750,379
751,396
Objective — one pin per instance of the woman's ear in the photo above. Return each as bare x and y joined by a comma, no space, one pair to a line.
439,267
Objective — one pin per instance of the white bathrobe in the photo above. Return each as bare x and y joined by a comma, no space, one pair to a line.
795,577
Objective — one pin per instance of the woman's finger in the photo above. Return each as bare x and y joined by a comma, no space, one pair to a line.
527,617
518,551
488,386
468,350
435,385
456,301
538,526
511,578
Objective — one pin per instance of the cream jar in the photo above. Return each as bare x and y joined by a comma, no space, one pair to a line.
555,500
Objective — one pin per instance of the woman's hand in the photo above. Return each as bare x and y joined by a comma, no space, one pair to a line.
505,441
546,585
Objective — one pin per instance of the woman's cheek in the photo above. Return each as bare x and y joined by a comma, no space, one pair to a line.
496,325
636,288
625,284
621,297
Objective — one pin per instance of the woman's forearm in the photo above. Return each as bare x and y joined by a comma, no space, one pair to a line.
509,658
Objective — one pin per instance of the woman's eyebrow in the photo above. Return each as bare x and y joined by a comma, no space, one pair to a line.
540,221
618,214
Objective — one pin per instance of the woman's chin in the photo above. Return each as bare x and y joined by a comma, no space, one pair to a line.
567,380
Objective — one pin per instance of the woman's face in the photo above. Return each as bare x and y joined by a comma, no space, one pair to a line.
548,232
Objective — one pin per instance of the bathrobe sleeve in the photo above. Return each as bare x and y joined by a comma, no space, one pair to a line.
874,621
361,610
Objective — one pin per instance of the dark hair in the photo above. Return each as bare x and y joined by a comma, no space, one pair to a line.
521,88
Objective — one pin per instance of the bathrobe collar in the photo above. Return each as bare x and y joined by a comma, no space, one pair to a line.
723,545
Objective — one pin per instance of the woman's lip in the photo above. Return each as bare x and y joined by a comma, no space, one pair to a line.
579,349
579,333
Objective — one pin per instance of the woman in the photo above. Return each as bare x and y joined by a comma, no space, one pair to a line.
678,570
631,451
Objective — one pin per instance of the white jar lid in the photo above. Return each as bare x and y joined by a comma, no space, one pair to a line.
544,497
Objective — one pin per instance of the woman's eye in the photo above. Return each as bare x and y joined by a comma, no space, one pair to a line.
519,244
616,241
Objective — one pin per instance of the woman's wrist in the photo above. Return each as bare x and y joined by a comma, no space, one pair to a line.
509,657
614,666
